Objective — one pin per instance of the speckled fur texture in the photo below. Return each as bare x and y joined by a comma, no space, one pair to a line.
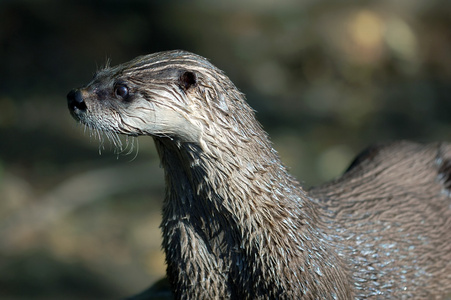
236,225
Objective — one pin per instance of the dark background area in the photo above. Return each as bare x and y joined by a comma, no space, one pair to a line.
327,79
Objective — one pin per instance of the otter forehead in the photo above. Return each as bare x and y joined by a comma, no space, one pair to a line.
161,65
168,60
160,68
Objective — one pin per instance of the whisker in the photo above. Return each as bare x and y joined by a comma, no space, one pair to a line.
120,146
132,147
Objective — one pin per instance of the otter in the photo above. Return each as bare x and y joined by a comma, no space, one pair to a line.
237,225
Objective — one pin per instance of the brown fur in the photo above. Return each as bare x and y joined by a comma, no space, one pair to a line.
237,225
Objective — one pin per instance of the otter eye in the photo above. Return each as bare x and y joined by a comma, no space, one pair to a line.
121,91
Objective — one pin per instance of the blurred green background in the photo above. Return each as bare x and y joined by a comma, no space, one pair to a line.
327,78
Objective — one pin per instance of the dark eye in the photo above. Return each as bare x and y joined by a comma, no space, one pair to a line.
121,91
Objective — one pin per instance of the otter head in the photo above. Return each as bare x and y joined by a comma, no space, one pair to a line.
172,94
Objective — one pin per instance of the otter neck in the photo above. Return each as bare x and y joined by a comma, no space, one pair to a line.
238,220
249,186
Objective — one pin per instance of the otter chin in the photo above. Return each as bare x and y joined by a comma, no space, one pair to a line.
237,225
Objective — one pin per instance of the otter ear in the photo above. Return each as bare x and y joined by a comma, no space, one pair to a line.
187,80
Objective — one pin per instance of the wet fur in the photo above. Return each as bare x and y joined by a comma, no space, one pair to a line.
237,225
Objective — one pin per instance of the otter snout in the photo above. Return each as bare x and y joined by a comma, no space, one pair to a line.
75,101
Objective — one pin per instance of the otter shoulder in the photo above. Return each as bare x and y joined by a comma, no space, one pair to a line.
396,165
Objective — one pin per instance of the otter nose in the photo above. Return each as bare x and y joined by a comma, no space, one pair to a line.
75,100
